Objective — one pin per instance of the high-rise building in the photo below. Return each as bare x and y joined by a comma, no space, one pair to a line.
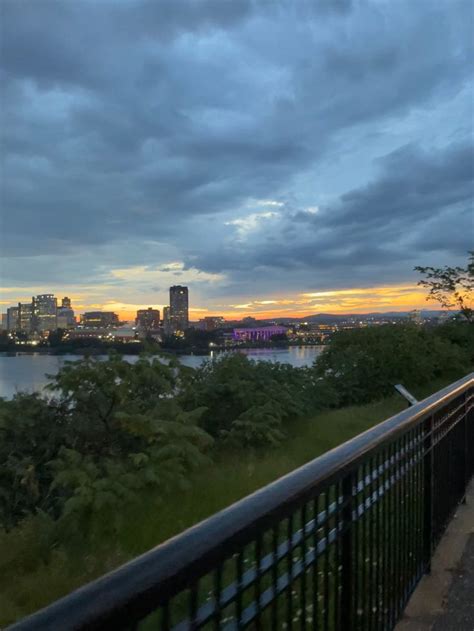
66,318
45,308
148,319
3,323
25,321
166,320
99,319
12,318
179,308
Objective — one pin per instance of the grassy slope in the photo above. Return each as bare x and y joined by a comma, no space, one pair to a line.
28,583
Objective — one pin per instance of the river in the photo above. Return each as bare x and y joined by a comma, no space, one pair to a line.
27,371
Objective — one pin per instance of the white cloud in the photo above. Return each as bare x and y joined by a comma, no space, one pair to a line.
268,202
251,223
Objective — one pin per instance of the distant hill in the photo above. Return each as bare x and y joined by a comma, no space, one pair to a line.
329,318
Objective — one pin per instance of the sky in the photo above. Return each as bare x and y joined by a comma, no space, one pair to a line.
278,157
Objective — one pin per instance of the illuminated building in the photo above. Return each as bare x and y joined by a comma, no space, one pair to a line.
258,334
45,308
179,308
3,324
12,318
99,319
148,319
25,317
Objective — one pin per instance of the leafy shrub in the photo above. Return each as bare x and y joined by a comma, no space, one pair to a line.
110,429
256,427
459,333
250,401
365,364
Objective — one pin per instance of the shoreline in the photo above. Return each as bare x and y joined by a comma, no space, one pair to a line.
81,352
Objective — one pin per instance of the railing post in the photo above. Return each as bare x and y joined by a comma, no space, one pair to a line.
467,449
428,427
348,564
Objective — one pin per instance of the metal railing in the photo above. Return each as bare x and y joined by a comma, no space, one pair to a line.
338,544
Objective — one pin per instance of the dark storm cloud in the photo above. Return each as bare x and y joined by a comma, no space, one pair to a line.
161,120
420,201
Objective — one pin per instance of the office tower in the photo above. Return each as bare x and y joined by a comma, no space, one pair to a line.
179,308
12,318
148,319
25,321
45,307
66,318
4,324
99,319
166,320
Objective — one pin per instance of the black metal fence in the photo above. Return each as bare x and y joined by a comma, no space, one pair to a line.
338,544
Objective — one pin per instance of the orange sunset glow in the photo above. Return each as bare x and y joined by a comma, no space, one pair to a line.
405,297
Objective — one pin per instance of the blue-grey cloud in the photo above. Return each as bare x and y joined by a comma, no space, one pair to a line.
170,122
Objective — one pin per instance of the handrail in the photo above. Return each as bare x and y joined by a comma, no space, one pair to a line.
138,587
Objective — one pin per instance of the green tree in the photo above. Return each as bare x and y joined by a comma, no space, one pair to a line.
243,398
452,287
365,364
109,429
32,430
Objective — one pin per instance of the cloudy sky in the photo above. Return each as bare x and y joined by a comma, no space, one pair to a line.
275,156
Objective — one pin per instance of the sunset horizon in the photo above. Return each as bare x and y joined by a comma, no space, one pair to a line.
343,301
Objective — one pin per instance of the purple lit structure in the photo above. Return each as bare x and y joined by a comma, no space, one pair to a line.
257,334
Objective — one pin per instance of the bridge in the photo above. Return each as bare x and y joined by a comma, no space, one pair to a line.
339,544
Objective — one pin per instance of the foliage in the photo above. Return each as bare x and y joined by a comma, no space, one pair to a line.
193,340
55,337
365,364
247,402
258,426
460,334
6,343
281,339
110,428
451,286
32,430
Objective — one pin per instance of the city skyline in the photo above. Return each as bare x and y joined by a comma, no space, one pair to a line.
279,158
355,300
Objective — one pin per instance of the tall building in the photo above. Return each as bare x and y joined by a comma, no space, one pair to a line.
12,318
3,323
99,319
166,320
66,318
148,319
45,312
25,320
179,308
